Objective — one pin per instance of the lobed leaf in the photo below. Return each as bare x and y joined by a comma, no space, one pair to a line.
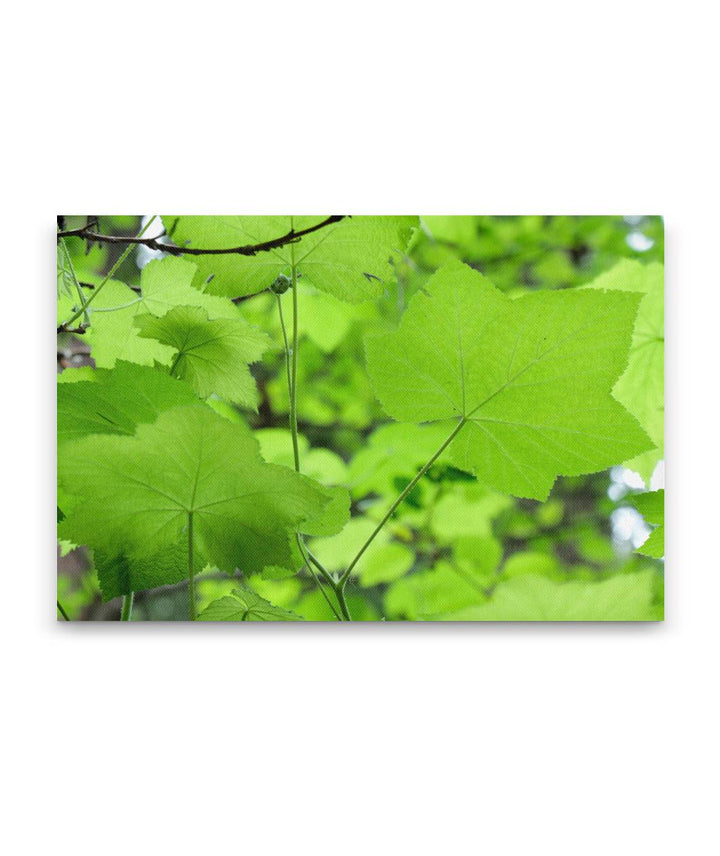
530,377
349,259
133,494
211,355
625,597
117,401
641,388
245,605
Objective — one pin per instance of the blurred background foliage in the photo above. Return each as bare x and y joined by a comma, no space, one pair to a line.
454,545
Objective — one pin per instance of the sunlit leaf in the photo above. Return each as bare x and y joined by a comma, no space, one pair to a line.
641,388
531,378
349,259
245,605
134,494
211,355
626,597
652,508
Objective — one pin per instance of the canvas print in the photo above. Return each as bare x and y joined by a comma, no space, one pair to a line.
360,418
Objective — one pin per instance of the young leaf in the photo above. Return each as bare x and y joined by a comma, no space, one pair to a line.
652,508
212,356
245,605
117,401
164,284
134,494
641,388
530,377
349,259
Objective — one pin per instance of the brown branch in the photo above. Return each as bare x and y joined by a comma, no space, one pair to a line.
290,237
76,331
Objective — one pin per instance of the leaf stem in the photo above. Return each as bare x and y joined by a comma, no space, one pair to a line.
309,561
399,500
339,589
191,566
333,583
293,370
287,348
108,276
291,376
127,605
62,611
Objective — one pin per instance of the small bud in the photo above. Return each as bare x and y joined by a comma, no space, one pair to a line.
281,284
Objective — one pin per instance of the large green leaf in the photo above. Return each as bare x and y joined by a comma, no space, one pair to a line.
245,605
641,388
164,284
531,377
652,508
349,259
117,401
134,494
212,356
625,597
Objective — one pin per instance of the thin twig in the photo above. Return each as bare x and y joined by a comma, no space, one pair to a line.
290,237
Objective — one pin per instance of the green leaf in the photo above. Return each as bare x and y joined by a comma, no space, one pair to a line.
165,284
443,588
385,564
625,597
468,509
333,518
117,401
118,574
320,464
337,551
478,556
652,508
392,451
349,259
134,494
276,445
212,356
531,377
641,388
245,605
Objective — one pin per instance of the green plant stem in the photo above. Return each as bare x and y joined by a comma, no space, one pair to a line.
334,585
399,500
339,589
127,605
291,376
286,342
83,303
108,275
117,308
293,371
309,561
62,611
191,566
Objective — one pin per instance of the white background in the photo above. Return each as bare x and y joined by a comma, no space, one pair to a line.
350,740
